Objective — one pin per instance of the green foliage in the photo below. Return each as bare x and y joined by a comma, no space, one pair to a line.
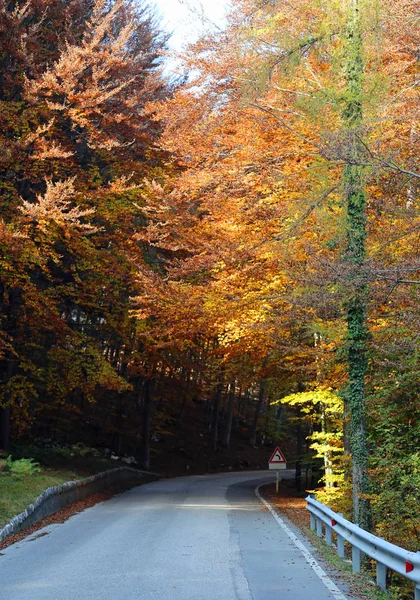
396,496
393,408
22,468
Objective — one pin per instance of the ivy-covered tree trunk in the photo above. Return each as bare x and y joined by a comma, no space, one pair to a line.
357,329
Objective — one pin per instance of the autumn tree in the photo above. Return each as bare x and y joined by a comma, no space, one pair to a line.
77,141
286,133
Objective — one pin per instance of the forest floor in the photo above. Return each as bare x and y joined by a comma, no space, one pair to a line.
185,449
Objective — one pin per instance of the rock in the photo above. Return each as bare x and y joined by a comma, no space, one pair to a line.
129,460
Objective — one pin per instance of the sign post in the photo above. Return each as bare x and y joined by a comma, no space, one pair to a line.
277,462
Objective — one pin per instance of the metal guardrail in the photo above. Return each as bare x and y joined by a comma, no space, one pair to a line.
386,555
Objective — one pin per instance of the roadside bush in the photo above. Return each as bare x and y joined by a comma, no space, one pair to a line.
22,468
76,456
56,455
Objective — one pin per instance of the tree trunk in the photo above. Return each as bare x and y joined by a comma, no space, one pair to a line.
253,436
147,406
214,425
5,428
328,466
229,416
279,418
299,452
185,395
357,330
8,366
242,403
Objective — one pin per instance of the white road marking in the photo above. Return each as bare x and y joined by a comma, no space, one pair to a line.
330,585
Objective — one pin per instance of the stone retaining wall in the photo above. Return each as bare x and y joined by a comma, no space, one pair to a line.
60,496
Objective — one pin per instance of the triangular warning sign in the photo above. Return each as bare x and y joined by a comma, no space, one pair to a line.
277,457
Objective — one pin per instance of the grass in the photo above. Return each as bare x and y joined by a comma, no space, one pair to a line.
17,494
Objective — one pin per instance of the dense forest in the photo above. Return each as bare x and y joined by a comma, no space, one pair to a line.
241,240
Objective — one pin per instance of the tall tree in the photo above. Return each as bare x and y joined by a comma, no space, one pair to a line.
76,79
355,202
307,193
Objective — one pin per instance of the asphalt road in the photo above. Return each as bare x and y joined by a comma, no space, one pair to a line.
190,538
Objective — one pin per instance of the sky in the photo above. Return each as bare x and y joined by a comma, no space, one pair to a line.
186,28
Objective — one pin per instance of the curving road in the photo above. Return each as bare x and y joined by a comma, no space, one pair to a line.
191,538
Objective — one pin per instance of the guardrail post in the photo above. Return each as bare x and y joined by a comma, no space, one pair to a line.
340,546
318,527
328,534
381,575
356,556
312,522
417,592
